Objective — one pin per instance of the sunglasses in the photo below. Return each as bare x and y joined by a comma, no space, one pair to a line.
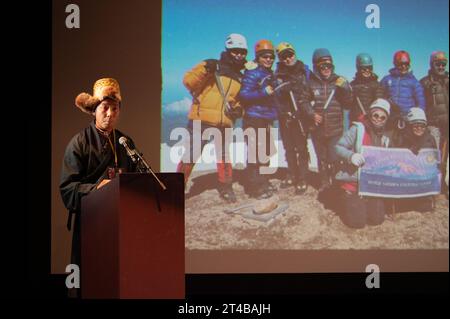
440,64
419,126
286,55
403,64
379,117
325,66
239,51
268,56
366,68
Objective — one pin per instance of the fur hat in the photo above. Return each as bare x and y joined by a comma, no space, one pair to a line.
106,88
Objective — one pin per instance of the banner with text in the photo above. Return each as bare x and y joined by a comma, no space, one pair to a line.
398,173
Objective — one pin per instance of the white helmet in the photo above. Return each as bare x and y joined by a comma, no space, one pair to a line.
416,115
381,104
236,41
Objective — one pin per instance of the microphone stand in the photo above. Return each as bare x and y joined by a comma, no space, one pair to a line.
147,169
144,167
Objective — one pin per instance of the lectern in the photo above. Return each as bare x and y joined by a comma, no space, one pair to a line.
132,238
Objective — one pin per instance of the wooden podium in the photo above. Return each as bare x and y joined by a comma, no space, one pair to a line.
130,247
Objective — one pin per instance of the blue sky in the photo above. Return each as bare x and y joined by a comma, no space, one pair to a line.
195,30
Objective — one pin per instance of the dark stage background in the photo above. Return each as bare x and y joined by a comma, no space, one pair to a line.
119,39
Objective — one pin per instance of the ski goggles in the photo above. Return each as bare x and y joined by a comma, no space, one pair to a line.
238,51
440,64
403,64
366,68
325,66
286,55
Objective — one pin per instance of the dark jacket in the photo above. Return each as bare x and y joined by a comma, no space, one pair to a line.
257,103
436,96
405,91
297,77
314,97
86,159
407,139
367,90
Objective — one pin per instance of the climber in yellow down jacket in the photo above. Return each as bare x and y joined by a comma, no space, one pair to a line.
214,86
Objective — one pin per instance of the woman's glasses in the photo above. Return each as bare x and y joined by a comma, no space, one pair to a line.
379,117
419,126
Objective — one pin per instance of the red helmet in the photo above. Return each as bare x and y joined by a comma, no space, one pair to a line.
401,57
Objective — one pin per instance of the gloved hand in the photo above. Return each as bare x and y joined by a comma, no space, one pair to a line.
211,66
415,149
234,113
357,159
290,116
269,90
318,118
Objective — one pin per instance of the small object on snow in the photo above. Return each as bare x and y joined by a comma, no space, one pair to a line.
264,208
266,217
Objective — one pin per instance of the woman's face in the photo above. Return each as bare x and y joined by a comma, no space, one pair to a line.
238,55
418,129
439,67
366,71
288,58
403,67
378,117
266,60
326,69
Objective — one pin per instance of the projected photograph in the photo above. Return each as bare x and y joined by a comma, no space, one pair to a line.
267,104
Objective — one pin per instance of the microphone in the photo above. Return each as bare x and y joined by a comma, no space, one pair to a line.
137,157
131,153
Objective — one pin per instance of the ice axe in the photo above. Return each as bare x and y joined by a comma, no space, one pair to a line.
327,103
360,105
281,85
294,104
444,152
